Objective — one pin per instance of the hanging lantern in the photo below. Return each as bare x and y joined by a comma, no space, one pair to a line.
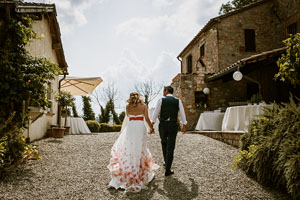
206,90
237,76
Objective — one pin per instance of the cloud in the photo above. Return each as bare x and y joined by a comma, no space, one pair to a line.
130,70
71,13
162,3
128,67
142,28
187,19
166,68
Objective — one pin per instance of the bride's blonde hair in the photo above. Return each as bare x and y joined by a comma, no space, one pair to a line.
134,99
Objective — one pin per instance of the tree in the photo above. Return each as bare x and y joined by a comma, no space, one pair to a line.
289,63
115,115
108,94
64,99
104,116
148,89
75,114
106,113
122,116
105,94
88,113
234,5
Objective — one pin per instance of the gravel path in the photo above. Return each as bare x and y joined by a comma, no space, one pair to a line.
75,168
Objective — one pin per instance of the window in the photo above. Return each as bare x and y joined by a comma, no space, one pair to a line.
202,50
49,95
200,99
292,29
250,40
189,64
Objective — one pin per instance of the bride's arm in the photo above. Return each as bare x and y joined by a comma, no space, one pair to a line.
147,118
126,110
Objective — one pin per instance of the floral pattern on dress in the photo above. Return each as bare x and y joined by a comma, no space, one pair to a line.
131,165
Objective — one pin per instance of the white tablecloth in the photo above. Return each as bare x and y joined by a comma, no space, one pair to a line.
238,118
77,125
210,121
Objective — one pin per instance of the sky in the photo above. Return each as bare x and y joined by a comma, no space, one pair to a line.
129,41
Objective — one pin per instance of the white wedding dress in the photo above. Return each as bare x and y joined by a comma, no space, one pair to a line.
131,165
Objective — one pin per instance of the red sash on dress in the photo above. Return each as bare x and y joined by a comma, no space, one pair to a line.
136,118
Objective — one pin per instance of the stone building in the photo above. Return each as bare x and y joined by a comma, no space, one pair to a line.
49,46
248,39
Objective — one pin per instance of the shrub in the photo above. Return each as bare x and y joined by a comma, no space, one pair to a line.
93,125
109,128
270,151
14,150
289,63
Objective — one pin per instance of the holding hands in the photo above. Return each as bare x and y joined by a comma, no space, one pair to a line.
151,128
183,129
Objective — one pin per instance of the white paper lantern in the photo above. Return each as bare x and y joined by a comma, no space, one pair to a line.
237,76
206,90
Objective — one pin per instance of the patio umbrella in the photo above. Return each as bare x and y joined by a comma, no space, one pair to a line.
80,85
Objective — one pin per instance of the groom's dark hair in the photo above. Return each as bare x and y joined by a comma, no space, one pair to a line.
169,89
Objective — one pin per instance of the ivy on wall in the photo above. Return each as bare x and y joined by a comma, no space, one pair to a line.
23,82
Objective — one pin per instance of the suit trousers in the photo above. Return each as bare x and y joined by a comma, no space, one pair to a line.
168,132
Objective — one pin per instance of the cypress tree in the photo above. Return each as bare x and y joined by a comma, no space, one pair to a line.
88,113
75,114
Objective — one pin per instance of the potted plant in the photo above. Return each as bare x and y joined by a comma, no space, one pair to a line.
64,100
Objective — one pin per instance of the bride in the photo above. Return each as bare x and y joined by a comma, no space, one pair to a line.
131,165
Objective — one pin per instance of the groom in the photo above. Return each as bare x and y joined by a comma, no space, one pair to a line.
168,107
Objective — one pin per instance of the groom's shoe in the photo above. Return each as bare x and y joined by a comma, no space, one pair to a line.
169,173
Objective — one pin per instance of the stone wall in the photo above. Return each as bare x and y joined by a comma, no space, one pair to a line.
210,59
231,138
185,87
231,41
287,9
224,45
223,92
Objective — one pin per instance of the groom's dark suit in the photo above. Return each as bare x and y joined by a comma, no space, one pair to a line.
168,108
168,128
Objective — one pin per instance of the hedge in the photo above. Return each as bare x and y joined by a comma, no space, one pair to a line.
97,127
93,125
109,128
270,151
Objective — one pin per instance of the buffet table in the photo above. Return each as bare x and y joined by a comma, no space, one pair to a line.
77,125
211,121
238,118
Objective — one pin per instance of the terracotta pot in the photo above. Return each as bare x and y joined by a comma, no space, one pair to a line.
58,132
50,133
67,129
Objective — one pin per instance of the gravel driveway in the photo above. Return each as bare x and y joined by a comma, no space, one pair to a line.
75,168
